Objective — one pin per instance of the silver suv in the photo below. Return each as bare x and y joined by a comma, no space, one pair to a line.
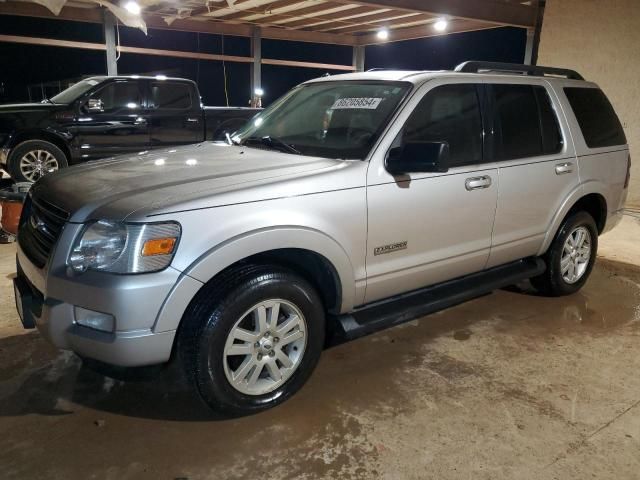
353,203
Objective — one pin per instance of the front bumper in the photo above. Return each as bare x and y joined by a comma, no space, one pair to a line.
46,299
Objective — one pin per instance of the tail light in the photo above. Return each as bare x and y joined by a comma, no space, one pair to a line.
626,180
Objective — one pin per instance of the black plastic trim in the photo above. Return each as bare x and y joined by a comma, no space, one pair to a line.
409,306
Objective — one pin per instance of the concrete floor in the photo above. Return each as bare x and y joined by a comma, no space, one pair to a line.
508,386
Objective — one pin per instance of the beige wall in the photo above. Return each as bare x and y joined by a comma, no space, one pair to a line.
601,40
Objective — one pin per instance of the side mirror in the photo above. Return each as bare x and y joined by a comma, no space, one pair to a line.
414,157
94,105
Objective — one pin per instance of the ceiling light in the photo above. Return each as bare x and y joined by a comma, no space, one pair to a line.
259,92
441,25
383,34
132,7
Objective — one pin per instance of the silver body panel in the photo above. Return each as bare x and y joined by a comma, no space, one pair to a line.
233,202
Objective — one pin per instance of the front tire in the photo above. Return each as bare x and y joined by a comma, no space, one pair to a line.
252,338
32,159
570,258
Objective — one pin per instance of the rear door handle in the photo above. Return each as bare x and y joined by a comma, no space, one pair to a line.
193,120
477,183
563,168
140,121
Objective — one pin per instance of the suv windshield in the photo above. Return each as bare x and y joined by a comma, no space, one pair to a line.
338,119
74,91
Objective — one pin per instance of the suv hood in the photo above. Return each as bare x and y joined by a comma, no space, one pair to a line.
29,107
197,176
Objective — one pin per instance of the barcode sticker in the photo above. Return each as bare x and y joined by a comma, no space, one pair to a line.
356,103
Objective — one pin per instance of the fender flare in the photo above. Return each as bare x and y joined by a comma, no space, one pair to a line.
582,190
231,251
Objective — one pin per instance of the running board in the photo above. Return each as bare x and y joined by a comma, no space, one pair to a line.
409,306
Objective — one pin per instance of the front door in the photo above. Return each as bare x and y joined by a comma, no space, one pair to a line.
426,228
112,121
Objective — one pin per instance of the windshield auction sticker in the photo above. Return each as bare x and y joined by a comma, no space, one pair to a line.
356,103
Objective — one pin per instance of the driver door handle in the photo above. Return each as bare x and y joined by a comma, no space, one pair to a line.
140,121
477,183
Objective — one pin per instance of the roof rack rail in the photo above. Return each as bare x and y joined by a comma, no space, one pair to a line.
534,70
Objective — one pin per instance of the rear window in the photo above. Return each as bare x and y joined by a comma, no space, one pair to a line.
524,122
597,119
171,95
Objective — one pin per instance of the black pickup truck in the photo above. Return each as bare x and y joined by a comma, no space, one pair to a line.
104,116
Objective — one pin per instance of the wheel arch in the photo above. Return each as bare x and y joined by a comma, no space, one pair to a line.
310,253
44,135
587,198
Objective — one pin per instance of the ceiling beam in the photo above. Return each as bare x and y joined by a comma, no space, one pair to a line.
94,15
387,19
484,10
51,42
413,33
343,16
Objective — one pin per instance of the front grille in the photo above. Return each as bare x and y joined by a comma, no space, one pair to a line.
40,226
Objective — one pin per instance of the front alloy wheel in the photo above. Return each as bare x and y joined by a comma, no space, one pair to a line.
265,347
37,163
251,338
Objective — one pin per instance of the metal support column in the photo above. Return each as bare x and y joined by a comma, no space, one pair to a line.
528,53
359,57
110,42
256,68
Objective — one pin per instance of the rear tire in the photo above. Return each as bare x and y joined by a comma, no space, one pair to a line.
570,258
32,159
236,346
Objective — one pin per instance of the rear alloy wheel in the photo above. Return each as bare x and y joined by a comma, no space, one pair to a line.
570,257
33,159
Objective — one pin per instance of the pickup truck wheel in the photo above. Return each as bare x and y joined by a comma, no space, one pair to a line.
33,159
570,258
252,339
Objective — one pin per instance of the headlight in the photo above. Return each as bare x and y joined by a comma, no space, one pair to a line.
124,247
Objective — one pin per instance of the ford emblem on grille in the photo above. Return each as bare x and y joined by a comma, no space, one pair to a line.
37,224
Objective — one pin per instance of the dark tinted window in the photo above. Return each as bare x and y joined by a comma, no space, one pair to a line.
551,136
598,121
451,114
516,124
119,95
171,95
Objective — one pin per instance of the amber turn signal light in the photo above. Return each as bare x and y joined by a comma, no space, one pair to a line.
158,246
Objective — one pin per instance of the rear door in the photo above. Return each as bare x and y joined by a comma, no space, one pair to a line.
531,144
112,121
175,113
426,228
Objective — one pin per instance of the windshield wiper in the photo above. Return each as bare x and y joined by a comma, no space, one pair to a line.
273,142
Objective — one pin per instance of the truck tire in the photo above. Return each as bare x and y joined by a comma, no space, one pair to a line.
32,159
251,338
570,257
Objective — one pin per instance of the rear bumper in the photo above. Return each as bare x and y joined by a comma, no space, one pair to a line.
613,219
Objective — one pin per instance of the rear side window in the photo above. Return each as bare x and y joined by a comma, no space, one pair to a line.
174,96
450,113
597,119
524,122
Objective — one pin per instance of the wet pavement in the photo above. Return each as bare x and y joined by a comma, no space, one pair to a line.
511,385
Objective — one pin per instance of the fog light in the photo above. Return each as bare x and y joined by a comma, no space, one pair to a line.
95,320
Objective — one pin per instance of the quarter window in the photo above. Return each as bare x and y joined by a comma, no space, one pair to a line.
597,119
451,114
174,96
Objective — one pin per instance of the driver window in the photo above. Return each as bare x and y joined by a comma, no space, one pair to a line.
451,114
116,96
